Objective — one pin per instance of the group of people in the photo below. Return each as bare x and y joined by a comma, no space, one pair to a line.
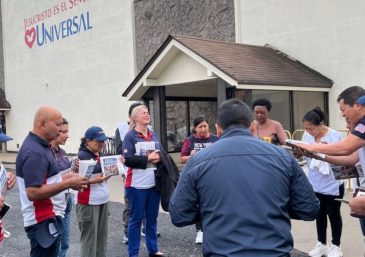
245,188
271,187
46,179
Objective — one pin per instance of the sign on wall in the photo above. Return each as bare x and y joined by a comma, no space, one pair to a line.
42,28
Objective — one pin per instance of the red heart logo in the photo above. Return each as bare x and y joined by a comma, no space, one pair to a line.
29,37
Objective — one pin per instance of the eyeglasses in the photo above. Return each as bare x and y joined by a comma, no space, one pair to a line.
98,141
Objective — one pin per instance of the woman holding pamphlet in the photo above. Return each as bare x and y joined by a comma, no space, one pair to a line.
7,182
64,166
200,139
92,202
325,185
141,152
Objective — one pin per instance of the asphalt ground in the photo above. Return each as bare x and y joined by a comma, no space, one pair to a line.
175,242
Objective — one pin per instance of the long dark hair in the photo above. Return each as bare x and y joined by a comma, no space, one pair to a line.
83,143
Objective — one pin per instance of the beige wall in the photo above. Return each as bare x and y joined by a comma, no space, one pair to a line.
326,35
83,74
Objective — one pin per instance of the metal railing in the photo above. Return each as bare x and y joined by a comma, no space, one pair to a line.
110,147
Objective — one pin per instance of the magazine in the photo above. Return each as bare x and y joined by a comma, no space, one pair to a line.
144,149
3,180
293,143
343,172
86,168
111,165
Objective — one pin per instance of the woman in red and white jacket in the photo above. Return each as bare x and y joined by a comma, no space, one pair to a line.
141,152
92,202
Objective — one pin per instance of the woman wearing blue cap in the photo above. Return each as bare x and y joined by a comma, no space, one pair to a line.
92,202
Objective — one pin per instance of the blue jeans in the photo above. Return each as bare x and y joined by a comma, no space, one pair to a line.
65,237
144,203
362,224
38,251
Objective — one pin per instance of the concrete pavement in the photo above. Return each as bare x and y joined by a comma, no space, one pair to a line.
174,241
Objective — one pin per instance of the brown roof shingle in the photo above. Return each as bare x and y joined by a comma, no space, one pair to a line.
247,64
251,64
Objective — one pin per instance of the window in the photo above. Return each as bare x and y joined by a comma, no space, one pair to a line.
176,124
206,109
302,105
179,119
288,107
280,103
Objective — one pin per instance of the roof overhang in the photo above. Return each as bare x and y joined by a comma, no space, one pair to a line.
184,72
282,88
176,65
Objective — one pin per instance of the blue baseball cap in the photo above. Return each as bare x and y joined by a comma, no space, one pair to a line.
4,138
48,231
361,100
95,133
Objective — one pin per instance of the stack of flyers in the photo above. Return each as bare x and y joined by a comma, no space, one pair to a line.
3,180
111,165
86,168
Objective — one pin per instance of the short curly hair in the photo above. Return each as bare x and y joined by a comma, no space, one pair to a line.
262,102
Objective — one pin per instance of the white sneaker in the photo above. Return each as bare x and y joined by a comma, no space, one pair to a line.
199,237
319,250
7,234
334,251
125,240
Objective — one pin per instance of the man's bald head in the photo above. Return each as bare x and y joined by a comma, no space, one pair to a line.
46,123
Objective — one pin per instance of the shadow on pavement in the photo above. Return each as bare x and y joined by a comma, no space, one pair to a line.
175,242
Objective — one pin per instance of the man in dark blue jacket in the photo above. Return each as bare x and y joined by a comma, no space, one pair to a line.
247,191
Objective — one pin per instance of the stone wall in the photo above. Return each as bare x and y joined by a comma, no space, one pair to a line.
156,19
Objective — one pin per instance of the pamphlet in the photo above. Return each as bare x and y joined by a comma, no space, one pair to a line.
63,172
3,180
86,168
293,143
111,165
144,149
343,172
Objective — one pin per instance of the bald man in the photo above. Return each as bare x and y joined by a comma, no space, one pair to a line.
41,186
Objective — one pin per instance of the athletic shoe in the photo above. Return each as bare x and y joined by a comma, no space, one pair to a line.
319,250
334,251
143,233
125,240
199,237
7,234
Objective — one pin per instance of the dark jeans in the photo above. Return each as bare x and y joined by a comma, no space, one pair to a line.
198,226
126,212
331,208
65,237
38,251
362,224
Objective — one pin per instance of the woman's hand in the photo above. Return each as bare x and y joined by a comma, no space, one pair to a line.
11,180
100,178
122,159
154,157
